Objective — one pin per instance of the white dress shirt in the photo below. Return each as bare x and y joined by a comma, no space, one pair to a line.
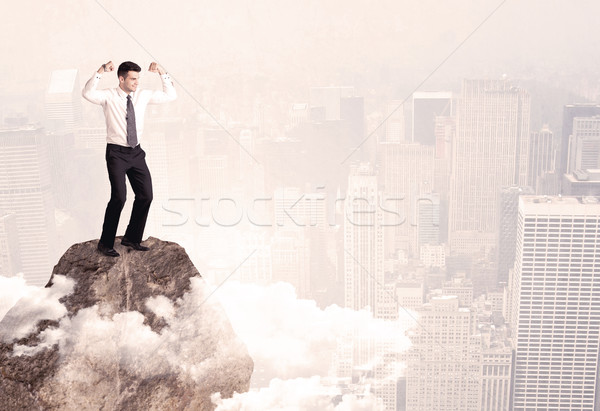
114,103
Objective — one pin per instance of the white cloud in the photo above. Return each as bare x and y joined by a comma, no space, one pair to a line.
31,304
292,341
289,337
299,394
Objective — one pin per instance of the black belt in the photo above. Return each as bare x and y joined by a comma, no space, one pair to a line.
123,149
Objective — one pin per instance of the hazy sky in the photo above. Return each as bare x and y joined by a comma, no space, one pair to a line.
295,42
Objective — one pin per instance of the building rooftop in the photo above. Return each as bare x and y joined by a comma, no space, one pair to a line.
575,205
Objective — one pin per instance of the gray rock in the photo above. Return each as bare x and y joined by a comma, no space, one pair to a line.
141,332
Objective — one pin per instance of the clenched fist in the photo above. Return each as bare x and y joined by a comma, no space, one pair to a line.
155,68
106,67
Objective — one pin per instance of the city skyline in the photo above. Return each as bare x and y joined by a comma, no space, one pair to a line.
379,174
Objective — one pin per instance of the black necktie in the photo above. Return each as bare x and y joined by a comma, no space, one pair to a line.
131,131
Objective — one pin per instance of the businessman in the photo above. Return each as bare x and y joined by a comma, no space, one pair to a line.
124,108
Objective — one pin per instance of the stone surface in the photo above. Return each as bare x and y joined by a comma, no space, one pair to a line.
140,332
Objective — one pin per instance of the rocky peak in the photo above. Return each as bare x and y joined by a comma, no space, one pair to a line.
140,331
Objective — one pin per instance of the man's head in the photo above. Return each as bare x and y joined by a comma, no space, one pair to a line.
128,74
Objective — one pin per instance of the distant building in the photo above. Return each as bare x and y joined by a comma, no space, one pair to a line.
460,287
363,241
582,183
395,127
569,113
584,144
507,228
542,155
63,101
444,364
409,295
27,191
490,152
426,106
10,256
433,255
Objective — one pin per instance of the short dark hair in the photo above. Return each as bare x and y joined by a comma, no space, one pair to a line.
127,66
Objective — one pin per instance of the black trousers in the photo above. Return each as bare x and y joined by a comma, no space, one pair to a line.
131,162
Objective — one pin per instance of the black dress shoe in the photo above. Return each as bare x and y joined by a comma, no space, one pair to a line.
108,251
135,246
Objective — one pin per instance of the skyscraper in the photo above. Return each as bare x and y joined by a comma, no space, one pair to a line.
425,108
444,366
507,228
26,190
569,113
363,240
10,258
490,152
408,176
63,101
554,306
542,156
584,144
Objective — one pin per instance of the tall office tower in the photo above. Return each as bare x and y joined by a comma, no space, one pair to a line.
428,220
294,208
26,190
352,116
10,257
427,105
490,152
444,367
307,212
408,174
363,240
330,98
290,260
569,113
445,129
251,176
395,128
542,156
507,228
258,268
584,144
63,101
554,306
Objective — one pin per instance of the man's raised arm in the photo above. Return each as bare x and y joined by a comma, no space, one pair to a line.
89,92
168,92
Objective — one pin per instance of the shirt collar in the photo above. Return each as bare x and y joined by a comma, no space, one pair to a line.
123,94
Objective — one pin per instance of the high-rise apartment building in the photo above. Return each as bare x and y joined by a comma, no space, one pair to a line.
554,307
490,152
